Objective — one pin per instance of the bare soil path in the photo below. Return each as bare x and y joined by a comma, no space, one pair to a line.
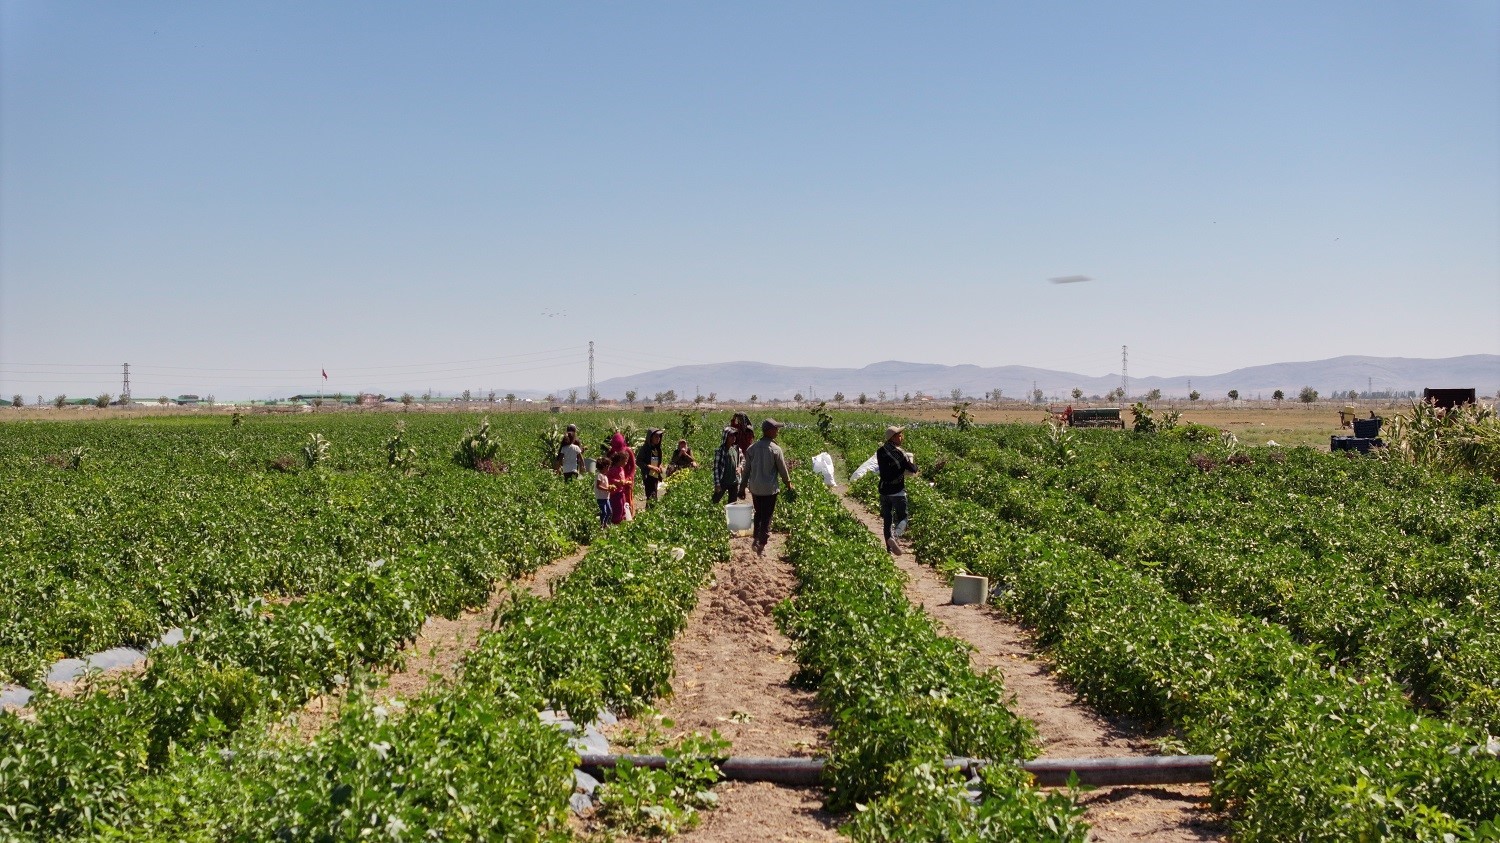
1066,727
733,672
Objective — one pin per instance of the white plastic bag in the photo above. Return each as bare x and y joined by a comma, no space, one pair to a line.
865,467
822,465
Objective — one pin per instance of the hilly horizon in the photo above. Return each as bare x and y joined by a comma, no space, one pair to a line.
739,380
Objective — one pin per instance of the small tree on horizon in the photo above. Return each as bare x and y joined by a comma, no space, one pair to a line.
1194,395
838,397
59,401
17,401
1077,393
863,398
1278,395
797,398
1234,395
630,396
163,400
1154,395
1307,395
510,399
102,400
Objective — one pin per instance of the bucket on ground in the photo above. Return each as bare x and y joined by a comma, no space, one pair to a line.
740,516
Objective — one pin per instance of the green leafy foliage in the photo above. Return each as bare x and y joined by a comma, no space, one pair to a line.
477,450
902,696
1301,616
661,803
315,451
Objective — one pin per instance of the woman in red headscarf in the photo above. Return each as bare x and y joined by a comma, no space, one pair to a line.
623,473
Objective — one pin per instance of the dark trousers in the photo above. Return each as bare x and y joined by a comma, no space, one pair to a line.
650,484
731,494
892,511
765,506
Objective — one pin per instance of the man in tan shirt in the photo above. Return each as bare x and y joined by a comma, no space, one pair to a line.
765,470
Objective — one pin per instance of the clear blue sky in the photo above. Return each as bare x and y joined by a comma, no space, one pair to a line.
231,196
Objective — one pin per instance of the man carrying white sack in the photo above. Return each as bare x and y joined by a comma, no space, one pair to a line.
894,464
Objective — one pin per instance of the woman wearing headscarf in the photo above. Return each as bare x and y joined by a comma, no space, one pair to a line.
623,474
744,435
653,462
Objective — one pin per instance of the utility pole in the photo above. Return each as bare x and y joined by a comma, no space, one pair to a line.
125,387
1125,372
593,393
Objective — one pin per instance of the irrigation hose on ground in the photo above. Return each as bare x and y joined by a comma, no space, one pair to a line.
1048,772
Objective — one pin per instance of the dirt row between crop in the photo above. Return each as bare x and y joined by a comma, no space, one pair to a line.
1066,727
733,671
438,652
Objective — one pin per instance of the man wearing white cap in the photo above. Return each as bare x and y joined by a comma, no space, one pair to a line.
894,465
765,465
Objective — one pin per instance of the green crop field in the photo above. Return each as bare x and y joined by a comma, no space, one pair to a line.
1326,626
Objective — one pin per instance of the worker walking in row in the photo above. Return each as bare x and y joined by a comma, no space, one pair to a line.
894,464
765,470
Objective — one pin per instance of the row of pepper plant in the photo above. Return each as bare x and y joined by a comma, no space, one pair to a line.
1306,750
71,765
902,697
467,760
1383,567
169,519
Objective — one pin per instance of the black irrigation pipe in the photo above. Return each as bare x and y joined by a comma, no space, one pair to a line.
1048,772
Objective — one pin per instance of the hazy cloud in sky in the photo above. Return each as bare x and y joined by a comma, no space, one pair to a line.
234,197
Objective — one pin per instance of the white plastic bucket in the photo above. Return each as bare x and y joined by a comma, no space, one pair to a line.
741,516
589,467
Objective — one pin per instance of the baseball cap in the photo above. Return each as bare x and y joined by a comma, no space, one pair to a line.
892,431
770,423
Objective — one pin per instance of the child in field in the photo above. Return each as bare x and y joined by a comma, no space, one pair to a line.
681,458
603,487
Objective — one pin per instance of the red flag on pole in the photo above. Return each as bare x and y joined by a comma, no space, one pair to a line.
325,374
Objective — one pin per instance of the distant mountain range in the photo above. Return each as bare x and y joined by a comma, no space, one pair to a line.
742,379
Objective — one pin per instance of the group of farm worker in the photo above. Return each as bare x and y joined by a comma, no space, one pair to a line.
742,465
615,470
